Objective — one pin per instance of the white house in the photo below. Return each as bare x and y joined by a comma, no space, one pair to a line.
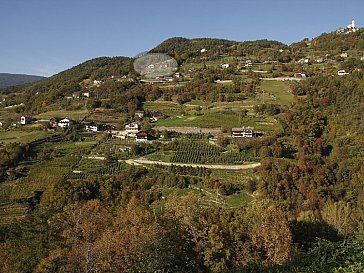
25,120
225,65
242,132
344,55
342,72
132,128
92,127
362,58
86,94
203,50
65,123
1,124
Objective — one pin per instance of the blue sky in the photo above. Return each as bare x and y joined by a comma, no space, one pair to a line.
44,37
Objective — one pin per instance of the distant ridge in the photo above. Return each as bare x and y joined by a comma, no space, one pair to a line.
8,80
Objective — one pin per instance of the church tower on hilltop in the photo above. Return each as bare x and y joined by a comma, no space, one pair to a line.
352,25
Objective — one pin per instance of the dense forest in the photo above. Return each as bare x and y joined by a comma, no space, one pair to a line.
183,49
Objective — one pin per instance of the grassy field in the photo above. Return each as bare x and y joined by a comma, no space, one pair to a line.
238,177
167,107
74,114
209,120
221,119
236,200
22,135
280,89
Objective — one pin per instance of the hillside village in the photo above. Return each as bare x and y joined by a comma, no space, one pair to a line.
236,123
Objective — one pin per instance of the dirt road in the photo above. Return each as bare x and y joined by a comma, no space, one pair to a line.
142,161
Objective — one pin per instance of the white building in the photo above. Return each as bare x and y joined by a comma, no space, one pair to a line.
92,127
25,120
342,72
349,29
65,123
132,128
86,94
242,132
352,26
225,65
203,50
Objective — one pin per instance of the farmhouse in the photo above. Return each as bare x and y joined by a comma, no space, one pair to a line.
225,65
92,127
143,136
132,128
242,132
65,123
25,120
344,55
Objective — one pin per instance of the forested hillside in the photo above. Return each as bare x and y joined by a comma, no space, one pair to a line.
183,48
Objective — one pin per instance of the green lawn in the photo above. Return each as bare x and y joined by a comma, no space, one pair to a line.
280,89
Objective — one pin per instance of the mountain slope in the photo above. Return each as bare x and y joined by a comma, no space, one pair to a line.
183,48
7,80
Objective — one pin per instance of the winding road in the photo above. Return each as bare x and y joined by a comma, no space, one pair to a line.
141,161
